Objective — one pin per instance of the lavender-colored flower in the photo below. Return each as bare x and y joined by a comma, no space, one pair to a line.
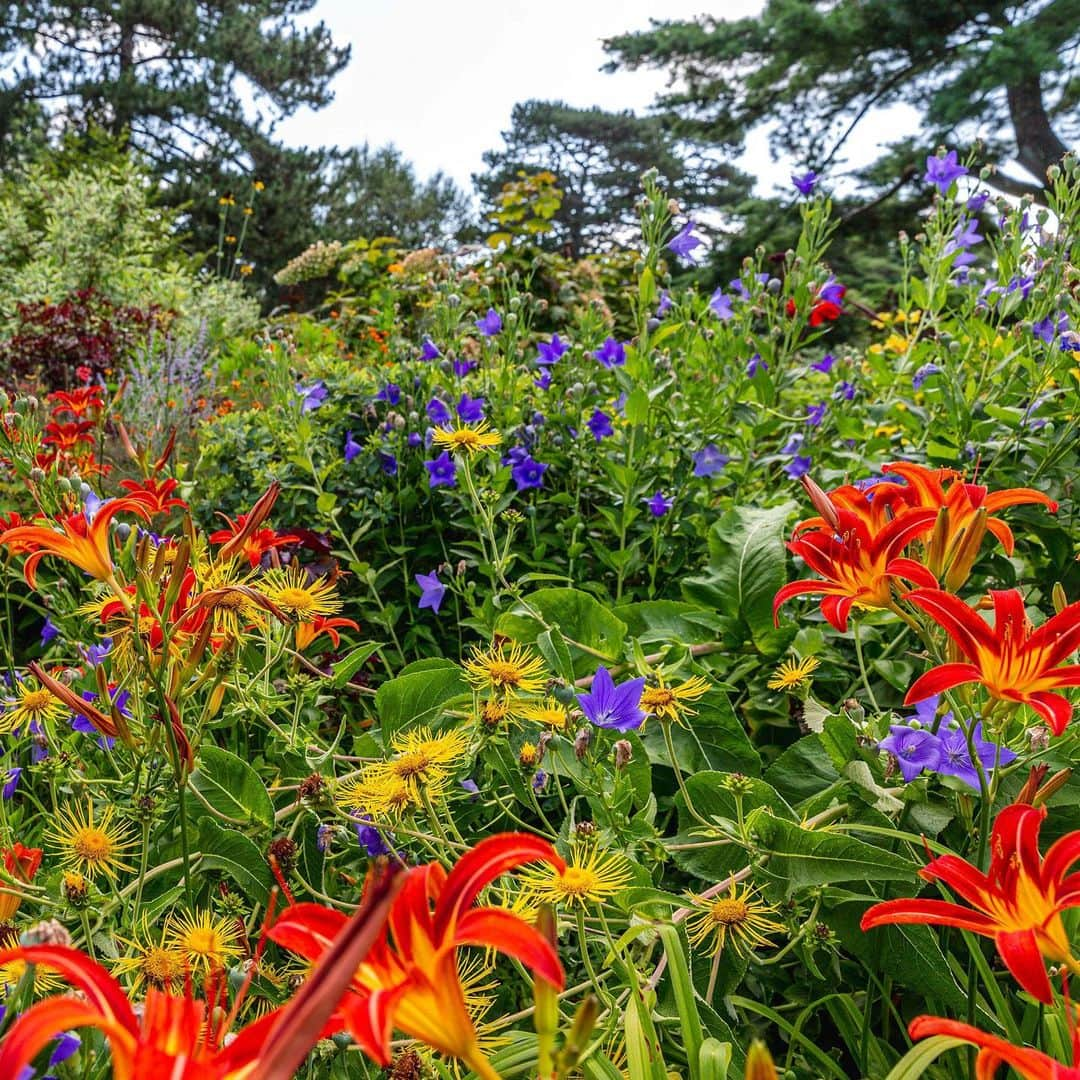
490,324
442,472
611,354
1070,342
978,201
544,381
470,409
825,364
923,374
914,748
665,304
539,780
311,397
390,393
96,653
11,782
1047,329
429,350
720,305
472,788
794,444
965,235
613,707
388,462
710,461
432,591
67,1044
82,724
805,183
845,390
49,631
816,413
371,840
324,838
551,351
92,503
832,291
527,473
685,243
798,466
754,365
942,171
438,413
956,754
352,447
600,425
461,368
658,505
413,440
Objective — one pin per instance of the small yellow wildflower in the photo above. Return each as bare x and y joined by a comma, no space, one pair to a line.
32,704
739,914
669,702
91,846
467,438
588,878
206,942
294,592
149,962
792,674
549,712
505,671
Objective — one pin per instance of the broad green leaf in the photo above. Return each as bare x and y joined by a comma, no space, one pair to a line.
417,695
351,663
231,788
801,858
712,739
747,566
237,857
553,649
921,1056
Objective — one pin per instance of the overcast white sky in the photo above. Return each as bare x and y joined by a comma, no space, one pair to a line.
439,79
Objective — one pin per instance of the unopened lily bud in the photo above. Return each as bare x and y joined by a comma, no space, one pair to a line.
1026,795
854,711
1054,784
821,502
966,551
759,1063
624,754
1058,597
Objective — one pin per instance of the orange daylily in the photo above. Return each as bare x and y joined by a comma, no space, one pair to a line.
77,402
183,1038
246,533
1011,659
82,543
856,547
410,980
964,514
307,632
156,495
994,1051
1018,902
22,864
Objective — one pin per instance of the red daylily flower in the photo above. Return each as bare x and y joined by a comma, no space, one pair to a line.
156,495
77,402
1018,902
22,864
858,554
83,544
307,632
410,979
994,1052
1011,659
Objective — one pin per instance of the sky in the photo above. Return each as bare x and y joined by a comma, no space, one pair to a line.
439,79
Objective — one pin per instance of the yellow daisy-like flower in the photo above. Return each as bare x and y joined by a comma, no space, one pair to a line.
150,963
228,594
493,713
420,757
590,877
505,671
46,981
550,713
295,592
91,845
466,438
32,703
382,796
204,941
669,702
740,915
792,674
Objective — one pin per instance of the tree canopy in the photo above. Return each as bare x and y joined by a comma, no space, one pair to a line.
813,70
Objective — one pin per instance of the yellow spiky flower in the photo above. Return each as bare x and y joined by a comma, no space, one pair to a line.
590,877
503,669
466,438
150,962
32,703
91,843
205,941
670,702
793,674
550,713
295,592
740,916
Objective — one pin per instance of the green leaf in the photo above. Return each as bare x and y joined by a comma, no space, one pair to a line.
326,502
685,1002
714,1059
921,1056
418,693
553,649
352,661
747,566
713,739
636,409
580,618
237,857
231,788
801,858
